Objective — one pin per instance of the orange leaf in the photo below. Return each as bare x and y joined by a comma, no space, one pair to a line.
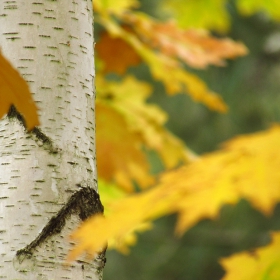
168,70
14,90
195,47
116,54
119,155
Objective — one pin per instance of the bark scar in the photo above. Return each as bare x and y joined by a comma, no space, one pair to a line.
84,203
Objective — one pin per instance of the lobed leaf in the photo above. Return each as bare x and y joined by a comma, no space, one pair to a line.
242,169
211,15
109,193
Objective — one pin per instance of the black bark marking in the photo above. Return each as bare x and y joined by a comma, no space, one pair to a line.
84,203
13,113
40,136
101,260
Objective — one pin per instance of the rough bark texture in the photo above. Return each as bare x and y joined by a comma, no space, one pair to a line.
48,176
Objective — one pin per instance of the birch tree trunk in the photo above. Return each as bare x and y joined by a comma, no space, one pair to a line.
48,176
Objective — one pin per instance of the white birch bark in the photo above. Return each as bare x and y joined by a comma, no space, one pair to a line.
51,43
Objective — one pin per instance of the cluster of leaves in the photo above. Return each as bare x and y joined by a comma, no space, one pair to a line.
242,169
129,38
127,125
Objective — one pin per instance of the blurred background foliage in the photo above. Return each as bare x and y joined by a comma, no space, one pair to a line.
250,86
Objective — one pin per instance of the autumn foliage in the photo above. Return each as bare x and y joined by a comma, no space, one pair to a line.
127,126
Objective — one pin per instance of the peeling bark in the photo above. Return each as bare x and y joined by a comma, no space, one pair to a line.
48,177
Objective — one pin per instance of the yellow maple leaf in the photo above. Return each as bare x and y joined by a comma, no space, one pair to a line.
14,90
247,167
129,238
110,193
262,263
178,80
145,120
126,215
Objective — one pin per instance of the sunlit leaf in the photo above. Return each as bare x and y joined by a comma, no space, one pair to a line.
178,80
128,213
260,264
244,168
110,193
15,91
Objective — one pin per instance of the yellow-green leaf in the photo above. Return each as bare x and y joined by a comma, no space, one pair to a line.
207,14
116,7
249,7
